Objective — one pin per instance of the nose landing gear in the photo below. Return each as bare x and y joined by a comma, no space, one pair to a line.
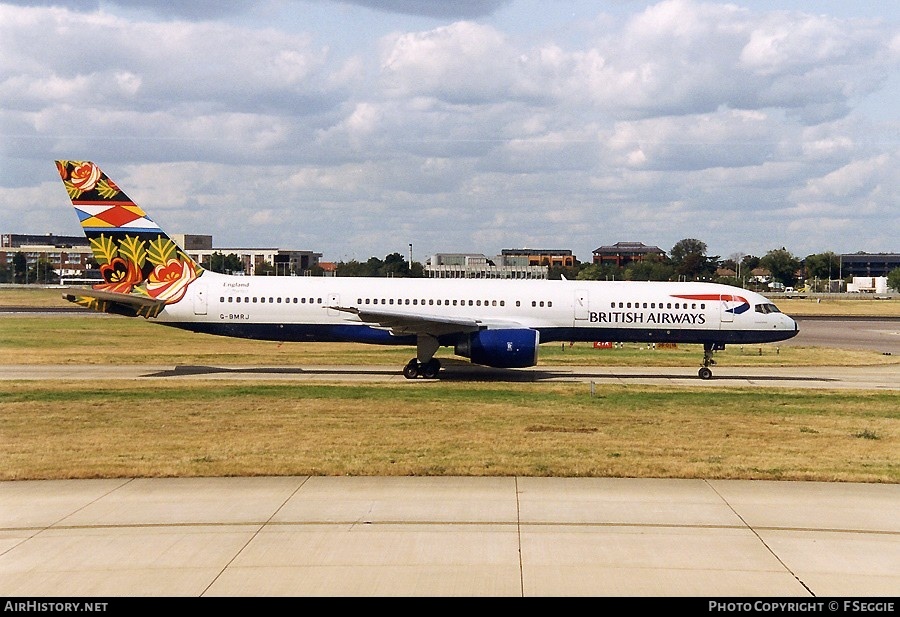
705,372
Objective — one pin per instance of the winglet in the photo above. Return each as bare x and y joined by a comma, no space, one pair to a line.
142,268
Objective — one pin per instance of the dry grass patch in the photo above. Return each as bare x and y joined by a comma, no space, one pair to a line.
32,296
155,428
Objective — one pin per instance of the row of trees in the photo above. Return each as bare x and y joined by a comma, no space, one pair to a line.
21,273
688,260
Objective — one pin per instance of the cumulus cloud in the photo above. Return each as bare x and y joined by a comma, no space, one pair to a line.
454,9
195,9
673,119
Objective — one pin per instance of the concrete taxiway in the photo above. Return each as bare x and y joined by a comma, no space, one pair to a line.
448,536
881,377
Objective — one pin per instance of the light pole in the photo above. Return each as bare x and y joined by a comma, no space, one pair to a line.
840,271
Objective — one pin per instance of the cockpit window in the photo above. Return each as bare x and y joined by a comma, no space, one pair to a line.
767,308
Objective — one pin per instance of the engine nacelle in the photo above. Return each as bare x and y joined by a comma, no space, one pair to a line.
513,348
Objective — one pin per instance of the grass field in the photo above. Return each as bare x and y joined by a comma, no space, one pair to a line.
156,427
109,340
159,428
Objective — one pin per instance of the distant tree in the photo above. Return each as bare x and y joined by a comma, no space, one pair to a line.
742,266
264,269
6,274
394,265
373,267
219,262
351,268
690,261
42,272
417,270
749,263
596,272
893,279
652,268
782,264
555,273
822,266
20,268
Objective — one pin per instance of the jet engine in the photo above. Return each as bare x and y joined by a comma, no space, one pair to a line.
507,348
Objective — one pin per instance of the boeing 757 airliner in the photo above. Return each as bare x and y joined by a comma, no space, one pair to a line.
496,323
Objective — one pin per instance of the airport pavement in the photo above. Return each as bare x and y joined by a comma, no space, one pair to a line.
448,536
438,536
880,377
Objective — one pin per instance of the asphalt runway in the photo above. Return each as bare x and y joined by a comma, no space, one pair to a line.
881,335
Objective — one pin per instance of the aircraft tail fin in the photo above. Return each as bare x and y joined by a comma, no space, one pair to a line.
142,268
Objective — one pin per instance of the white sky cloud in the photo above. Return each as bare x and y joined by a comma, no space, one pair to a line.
355,128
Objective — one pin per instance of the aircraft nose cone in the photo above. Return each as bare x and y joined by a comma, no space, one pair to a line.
796,328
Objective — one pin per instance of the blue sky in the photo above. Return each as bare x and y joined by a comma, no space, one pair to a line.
356,128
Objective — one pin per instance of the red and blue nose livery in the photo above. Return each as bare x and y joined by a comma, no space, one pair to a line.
735,304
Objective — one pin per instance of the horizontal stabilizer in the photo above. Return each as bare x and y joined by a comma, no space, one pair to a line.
112,302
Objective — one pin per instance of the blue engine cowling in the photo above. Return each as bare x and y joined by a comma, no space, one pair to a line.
514,348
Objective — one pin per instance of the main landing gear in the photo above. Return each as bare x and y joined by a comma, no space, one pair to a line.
424,364
705,372
427,370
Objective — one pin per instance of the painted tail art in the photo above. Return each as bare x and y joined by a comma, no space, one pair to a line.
143,270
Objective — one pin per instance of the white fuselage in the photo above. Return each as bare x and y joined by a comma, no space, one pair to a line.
315,308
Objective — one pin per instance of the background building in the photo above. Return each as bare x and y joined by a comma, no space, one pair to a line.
72,259
68,256
476,265
621,254
553,258
283,261
868,264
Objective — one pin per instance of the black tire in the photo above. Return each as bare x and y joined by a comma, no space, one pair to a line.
411,370
430,369
704,373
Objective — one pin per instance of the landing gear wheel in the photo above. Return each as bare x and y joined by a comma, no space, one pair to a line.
411,370
708,348
429,370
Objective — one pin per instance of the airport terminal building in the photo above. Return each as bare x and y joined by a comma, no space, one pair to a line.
868,264
72,259
287,262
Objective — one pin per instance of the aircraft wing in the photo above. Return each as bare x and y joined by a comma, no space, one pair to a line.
420,323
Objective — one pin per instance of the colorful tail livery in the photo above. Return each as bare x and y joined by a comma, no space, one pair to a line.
497,323
142,268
